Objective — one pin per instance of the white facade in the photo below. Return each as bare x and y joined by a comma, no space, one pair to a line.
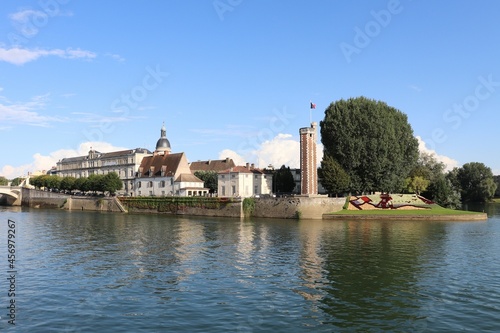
167,175
244,181
125,163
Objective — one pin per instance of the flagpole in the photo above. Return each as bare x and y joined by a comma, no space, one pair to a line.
310,112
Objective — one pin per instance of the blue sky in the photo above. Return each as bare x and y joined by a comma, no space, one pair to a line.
235,77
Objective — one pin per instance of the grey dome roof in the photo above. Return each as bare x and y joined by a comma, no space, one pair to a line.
163,144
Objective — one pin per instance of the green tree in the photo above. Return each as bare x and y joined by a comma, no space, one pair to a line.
112,183
372,142
210,178
497,181
427,167
442,192
17,181
283,181
82,184
36,181
53,182
4,181
476,182
68,183
417,184
96,183
333,177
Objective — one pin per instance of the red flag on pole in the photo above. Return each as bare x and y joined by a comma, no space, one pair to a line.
313,106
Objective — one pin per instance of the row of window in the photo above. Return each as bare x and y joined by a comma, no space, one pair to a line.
233,175
233,190
161,184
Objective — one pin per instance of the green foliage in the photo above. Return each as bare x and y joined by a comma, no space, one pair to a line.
112,183
173,204
210,178
372,142
333,177
82,184
17,181
497,181
68,183
417,184
476,182
4,181
248,206
444,193
283,181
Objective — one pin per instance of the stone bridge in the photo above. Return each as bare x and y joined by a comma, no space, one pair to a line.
10,195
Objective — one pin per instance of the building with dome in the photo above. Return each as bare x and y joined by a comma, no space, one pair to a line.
167,174
163,145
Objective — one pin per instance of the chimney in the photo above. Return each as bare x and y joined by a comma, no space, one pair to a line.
252,166
227,159
247,165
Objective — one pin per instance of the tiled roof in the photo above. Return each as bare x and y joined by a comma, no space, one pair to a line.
186,177
212,165
242,169
108,155
169,163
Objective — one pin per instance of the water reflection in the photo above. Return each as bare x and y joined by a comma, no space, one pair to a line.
198,274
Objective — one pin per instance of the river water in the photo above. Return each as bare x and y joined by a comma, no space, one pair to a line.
103,272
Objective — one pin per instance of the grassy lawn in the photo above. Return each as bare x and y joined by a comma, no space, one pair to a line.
434,210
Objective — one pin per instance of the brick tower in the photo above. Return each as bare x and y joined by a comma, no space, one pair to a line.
308,161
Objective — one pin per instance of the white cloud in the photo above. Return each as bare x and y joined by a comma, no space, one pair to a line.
283,149
116,57
24,16
45,162
26,21
27,112
449,162
237,158
20,56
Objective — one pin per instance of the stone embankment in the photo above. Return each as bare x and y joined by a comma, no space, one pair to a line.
294,207
303,207
44,199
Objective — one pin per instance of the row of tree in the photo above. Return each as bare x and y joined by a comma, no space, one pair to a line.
370,146
110,182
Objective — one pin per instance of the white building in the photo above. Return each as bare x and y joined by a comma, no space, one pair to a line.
244,181
166,174
124,163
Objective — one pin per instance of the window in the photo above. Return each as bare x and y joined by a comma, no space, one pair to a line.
221,176
162,183
223,190
234,189
150,184
256,190
233,176
139,186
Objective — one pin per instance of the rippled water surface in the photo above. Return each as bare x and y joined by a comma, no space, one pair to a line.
94,272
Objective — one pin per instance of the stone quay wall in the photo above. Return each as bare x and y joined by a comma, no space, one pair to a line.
297,207
294,207
45,199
